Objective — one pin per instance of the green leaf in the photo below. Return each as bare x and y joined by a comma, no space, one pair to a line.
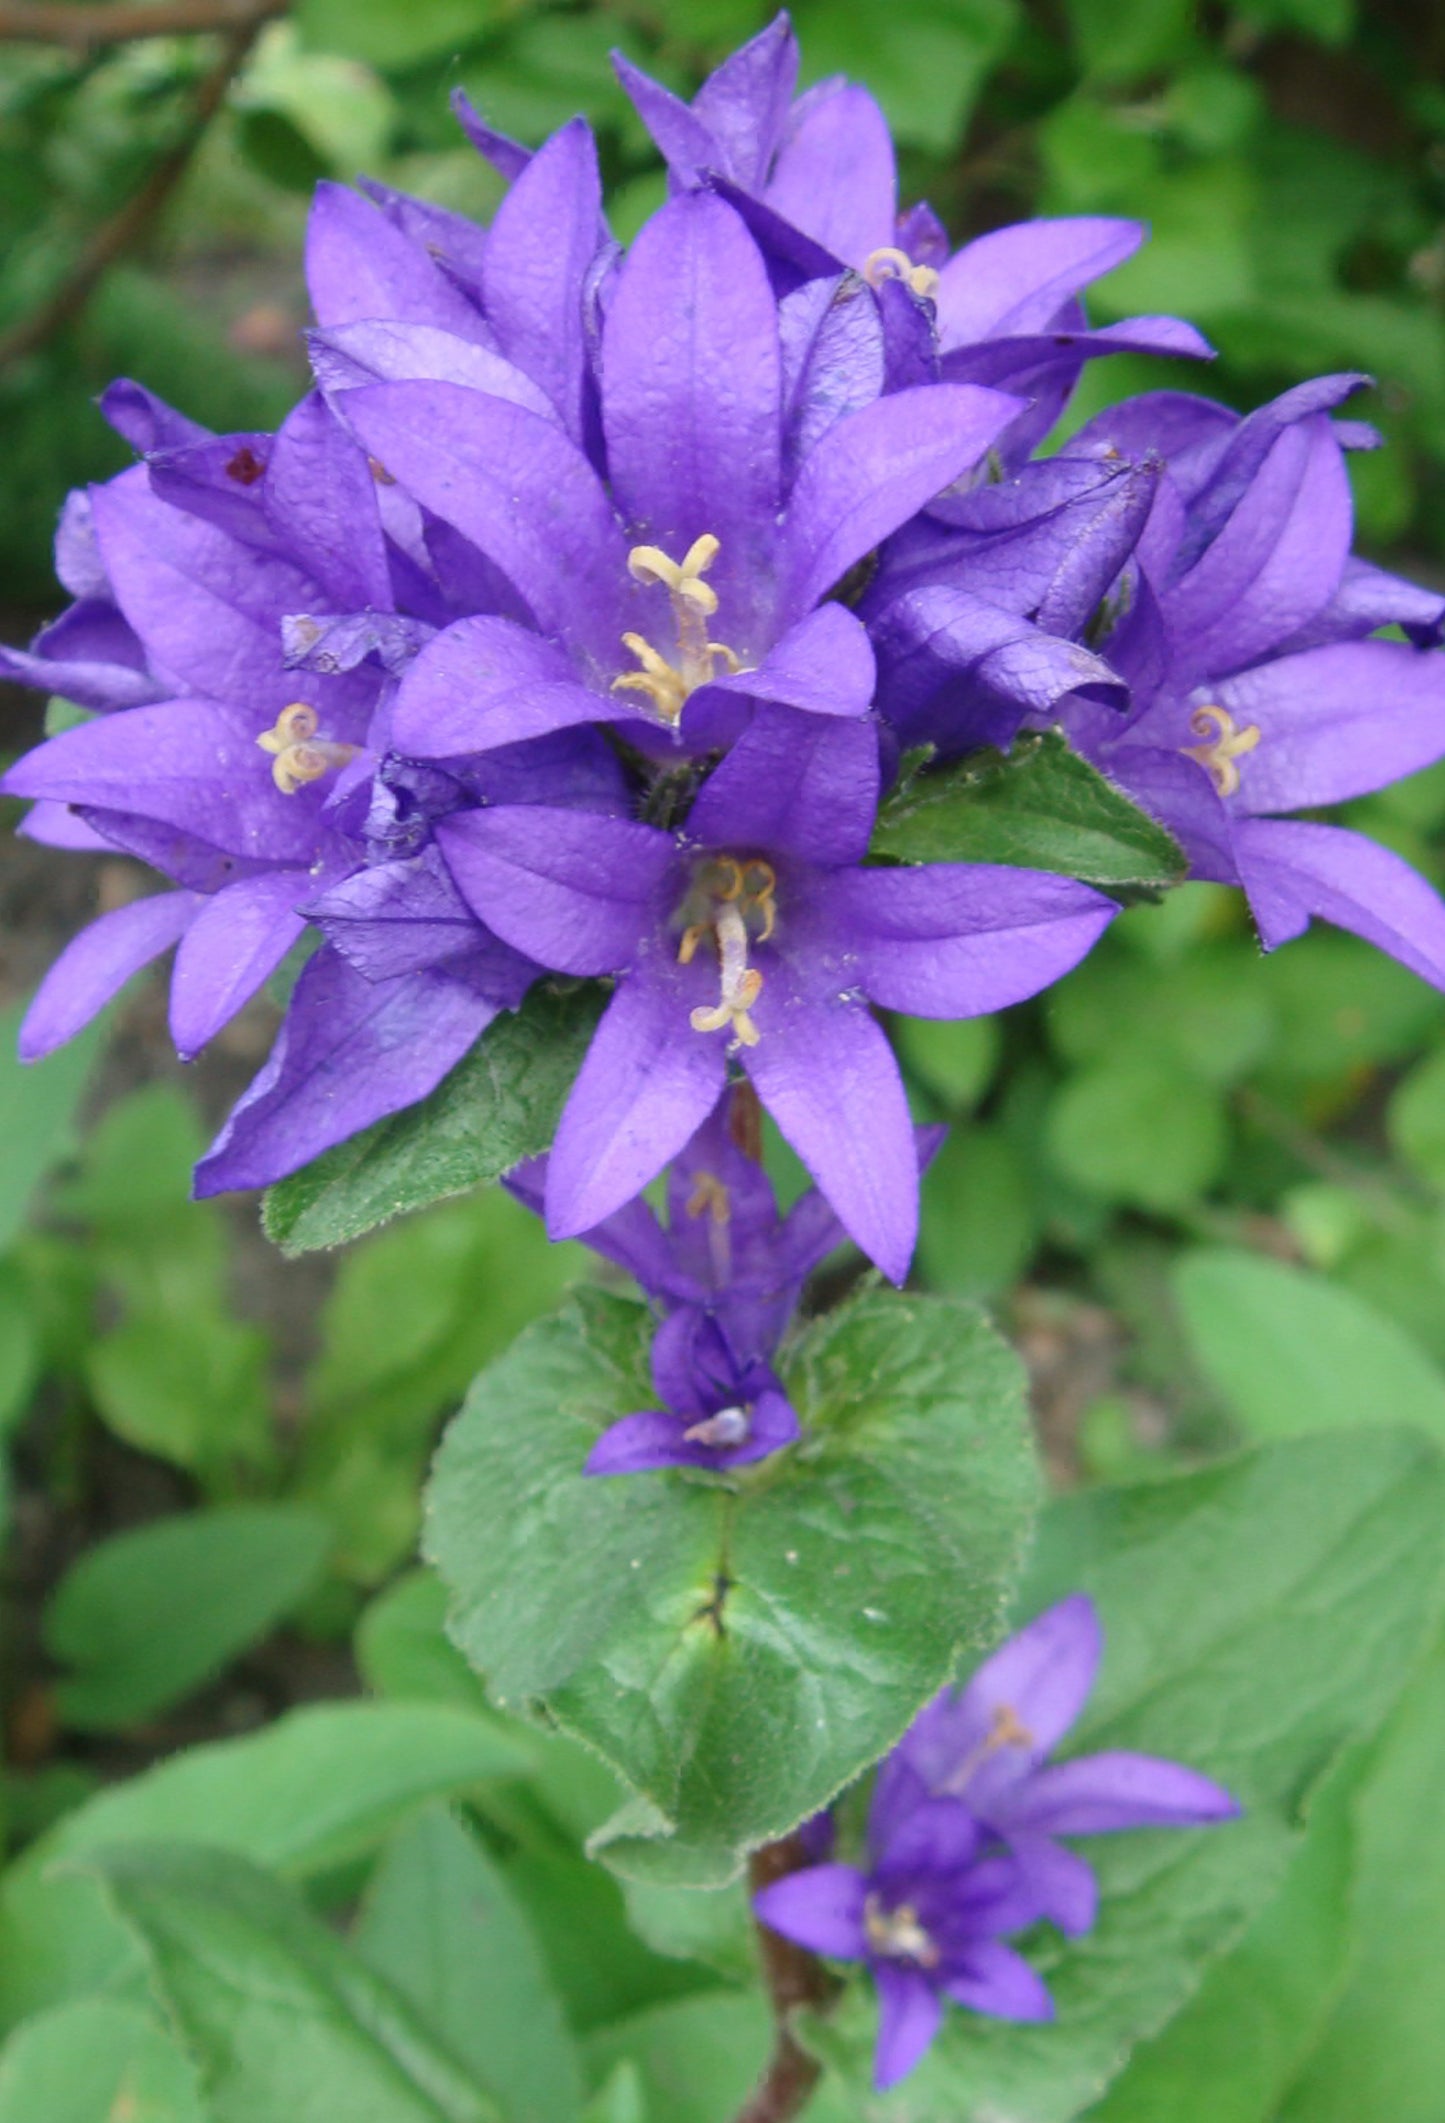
697,2058
404,1652
1259,1618
1290,1351
441,1925
96,2062
394,33
1040,806
150,1614
499,1104
282,2018
737,1650
37,1113
1383,2054
979,1214
1231,2053
312,1791
955,1060
190,1387
20,1346
1139,1130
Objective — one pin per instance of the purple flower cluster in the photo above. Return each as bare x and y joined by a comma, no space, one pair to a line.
963,1846
576,621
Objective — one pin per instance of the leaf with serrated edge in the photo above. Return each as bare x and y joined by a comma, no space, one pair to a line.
738,1650
1259,1616
1040,806
499,1104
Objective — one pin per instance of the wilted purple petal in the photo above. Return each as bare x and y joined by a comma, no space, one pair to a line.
820,1908
909,2014
236,941
97,964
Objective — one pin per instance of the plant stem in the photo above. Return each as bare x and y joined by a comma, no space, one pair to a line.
795,1978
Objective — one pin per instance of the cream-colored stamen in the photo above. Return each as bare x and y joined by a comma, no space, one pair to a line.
667,685
890,263
299,755
729,1427
1227,743
710,1198
897,1934
732,902
1006,1729
742,984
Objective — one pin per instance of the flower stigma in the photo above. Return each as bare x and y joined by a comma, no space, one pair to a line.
897,1934
732,902
1006,1729
728,1428
890,263
300,756
1227,743
668,685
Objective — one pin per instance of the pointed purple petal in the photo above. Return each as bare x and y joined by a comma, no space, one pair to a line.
1060,1883
146,422
962,939
517,488
746,101
644,1443
1336,722
1292,870
835,176
542,242
55,825
827,1075
820,1908
319,493
823,665
648,1081
507,157
486,682
349,1052
1100,1793
874,470
796,784
991,1978
236,941
1041,1676
691,400
909,2014
386,350
1016,280
97,964
359,266
576,892
687,145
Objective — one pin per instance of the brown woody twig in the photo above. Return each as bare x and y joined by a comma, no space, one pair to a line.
115,236
81,28
795,1979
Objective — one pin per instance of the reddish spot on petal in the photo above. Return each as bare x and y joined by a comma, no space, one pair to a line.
245,467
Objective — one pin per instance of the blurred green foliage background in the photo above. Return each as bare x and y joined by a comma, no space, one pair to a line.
1204,1192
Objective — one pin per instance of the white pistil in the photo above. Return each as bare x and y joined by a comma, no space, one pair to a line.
890,263
897,1934
1227,743
742,984
299,755
666,684
729,1427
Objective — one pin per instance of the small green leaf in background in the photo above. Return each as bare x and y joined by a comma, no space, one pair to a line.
1041,806
955,1060
282,2018
1138,1130
20,1347
147,1616
979,1216
316,1789
1232,2052
1383,2054
1260,1617
37,1113
1291,1352
441,1925
189,1388
1417,1119
96,2062
697,2058
926,63
500,1104
399,33
690,1631
404,1652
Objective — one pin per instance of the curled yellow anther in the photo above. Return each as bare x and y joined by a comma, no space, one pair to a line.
667,684
299,756
890,263
1227,743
